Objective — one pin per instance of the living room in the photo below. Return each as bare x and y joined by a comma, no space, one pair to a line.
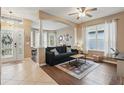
81,49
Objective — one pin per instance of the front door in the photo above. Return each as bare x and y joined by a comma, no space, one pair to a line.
12,45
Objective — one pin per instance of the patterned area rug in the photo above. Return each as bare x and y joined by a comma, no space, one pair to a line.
78,71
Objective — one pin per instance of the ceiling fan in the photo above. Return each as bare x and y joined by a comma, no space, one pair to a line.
83,11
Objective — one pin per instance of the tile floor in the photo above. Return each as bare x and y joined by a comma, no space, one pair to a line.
24,73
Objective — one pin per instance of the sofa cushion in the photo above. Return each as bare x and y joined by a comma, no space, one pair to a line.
55,51
60,49
68,49
63,55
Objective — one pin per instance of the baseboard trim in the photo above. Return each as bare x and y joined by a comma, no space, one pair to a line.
43,64
108,61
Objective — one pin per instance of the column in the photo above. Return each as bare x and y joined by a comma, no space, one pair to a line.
41,49
27,37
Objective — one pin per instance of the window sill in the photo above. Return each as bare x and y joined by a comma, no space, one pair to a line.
95,50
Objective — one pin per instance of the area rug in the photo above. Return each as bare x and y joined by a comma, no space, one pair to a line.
80,71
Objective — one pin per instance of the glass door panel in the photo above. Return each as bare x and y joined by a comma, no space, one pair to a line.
20,45
12,45
7,43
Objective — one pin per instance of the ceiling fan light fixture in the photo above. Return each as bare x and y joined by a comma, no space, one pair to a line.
82,14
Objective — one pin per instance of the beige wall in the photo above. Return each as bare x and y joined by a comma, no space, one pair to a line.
0,48
6,26
27,37
79,33
120,28
41,56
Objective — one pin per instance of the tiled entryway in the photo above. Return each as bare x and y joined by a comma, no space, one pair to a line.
24,73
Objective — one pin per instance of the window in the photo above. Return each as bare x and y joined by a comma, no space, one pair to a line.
35,38
100,40
92,40
32,38
45,39
95,38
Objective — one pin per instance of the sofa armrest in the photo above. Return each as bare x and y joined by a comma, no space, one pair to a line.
50,57
74,50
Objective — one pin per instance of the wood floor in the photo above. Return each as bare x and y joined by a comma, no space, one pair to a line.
105,74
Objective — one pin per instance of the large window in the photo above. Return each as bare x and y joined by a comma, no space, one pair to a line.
100,40
92,40
95,38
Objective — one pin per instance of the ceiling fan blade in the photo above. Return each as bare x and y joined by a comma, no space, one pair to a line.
80,10
83,8
93,9
72,13
88,15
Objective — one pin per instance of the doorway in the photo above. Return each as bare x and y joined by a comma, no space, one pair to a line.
12,45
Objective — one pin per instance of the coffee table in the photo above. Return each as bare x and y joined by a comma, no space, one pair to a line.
77,62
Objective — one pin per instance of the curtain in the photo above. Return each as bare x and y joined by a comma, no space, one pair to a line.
110,37
75,36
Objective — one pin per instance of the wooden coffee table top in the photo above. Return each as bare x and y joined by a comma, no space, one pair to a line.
77,56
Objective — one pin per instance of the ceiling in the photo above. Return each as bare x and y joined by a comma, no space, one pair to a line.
22,12
32,13
49,25
64,11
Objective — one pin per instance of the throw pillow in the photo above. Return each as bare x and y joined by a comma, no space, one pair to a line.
55,51
69,49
